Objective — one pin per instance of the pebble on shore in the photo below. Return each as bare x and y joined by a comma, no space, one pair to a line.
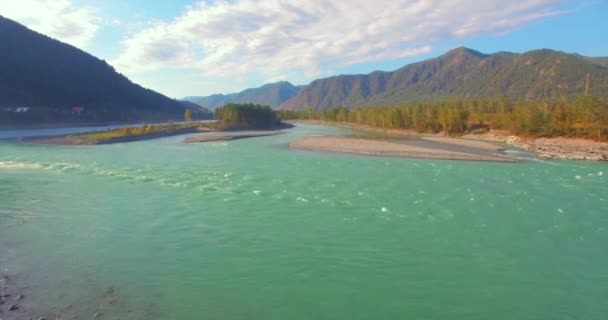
8,301
394,149
563,148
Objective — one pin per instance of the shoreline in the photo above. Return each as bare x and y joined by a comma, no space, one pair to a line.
208,134
12,301
214,136
445,150
67,125
64,125
555,148
71,140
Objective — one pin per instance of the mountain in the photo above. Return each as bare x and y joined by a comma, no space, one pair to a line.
460,73
601,61
272,95
199,112
43,80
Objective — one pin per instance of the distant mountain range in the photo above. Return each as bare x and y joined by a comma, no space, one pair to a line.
461,73
273,95
43,80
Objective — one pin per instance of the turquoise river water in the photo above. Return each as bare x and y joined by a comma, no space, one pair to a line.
250,229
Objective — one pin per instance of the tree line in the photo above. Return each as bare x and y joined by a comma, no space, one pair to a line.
584,117
243,116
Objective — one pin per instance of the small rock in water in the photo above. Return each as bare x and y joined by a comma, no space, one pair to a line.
13,307
110,299
109,296
19,297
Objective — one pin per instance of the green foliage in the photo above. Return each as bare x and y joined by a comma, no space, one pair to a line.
51,77
145,130
585,117
188,115
243,116
462,72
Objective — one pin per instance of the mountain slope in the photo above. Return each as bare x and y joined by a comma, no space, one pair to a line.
272,95
600,61
51,81
460,73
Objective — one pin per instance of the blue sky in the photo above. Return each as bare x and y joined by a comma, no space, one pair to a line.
183,48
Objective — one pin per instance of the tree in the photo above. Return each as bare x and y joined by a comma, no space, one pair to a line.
585,117
242,116
188,115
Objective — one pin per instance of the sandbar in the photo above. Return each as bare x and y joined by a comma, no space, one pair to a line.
399,149
229,135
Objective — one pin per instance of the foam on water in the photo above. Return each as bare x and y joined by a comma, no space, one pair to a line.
214,182
18,165
258,232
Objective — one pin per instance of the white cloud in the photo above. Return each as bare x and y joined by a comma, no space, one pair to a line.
276,37
59,19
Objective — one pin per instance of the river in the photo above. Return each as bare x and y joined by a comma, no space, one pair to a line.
250,229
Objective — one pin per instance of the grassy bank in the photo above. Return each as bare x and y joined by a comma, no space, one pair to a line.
231,118
125,134
137,133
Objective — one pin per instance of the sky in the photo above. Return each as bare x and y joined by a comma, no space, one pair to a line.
192,48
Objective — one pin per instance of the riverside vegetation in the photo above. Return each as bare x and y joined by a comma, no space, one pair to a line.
229,117
142,131
582,117
246,120
246,116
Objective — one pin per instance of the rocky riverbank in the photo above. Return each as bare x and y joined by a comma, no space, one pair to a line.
561,148
15,303
12,302
446,149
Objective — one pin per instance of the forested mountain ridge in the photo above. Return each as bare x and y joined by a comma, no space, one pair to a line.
461,73
272,94
43,80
